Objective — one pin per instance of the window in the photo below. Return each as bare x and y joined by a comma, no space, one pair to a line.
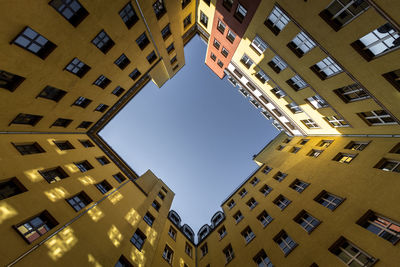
381,226
53,174
79,201
151,57
231,36
315,153
279,176
103,42
10,81
306,221
336,121
103,187
303,141
34,43
221,26
203,19
142,41
377,117
156,205
317,102
172,233
395,149
240,13
220,64
82,102
310,124
29,119
222,232
86,143
36,226
243,192
148,218
299,185
254,181
264,218
262,260
128,15
52,93
260,75
276,21
216,44
118,91
71,10
356,145
326,68
173,60
297,83
341,12
286,141
159,8
351,93
285,242
122,61
227,4
259,45
170,48
228,252
265,190
266,170
392,77
294,150
207,2
277,64
294,108
102,81
135,74
166,32
61,122
238,216
85,124
168,254
246,61
188,249
389,165
350,254
161,195
64,145
282,202
301,44
224,52
328,200
119,177
248,234
103,160
101,108
278,92
77,67
231,204
11,187
212,56
187,21
138,239
123,262
29,148
325,143
204,250
175,67
83,166
252,203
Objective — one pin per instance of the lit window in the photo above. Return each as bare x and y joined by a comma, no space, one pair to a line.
381,226
299,185
351,93
37,226
138,239
301,44
79,201
77,67
71,10
350,254
297,83
377,117
328,200
34,43
103,42
285,242
277,64
128,15
264,218
259,45
248,234
276,21
282,202
306,221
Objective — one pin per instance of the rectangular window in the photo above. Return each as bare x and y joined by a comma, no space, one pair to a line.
118,91
350,254
326,68
279,176
204,250
276,21
278,92
238,216
28,119
34,43
328,200
187,21
151,57
294,108
128,15
224,52
170,48
392,77
240,13
149,219
285,242
161,195
86,143
395,149
351,93
246,61
315,153
262,260
222,232
142,41
172,233
266,170
389,165
297,83
243,192
301,44
381,226
325,143
264,218
306,221
36,226
188,249
231,36
168,254
103,160
83,166
10,81
220,64
52,93
71,10
138,239
103,187
79,201
122,61
61,122
173,60
203,19
123,262
102,81
231,204
103,42
29,148
84,124
77,67
357,145
299,185
159,8
11,187
336,121
277,64
377,117
228,252
340,12
310,124
265,190
156,205
213,56
282,202
252,203
259,45
119,177
262,77
53,174
221,26
166,32
254,181
248,234
135,74
228,4
216,44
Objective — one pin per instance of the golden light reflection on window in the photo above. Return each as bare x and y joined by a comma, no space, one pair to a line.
115,235
96,214
6,211
151,235
115,197
132,217
92,260
138,257
56,193
86,180
34,175
61,243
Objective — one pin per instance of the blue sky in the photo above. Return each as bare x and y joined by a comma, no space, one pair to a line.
197,133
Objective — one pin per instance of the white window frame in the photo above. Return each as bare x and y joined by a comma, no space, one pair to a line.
379,43
303,42
329,67
278,18
310,124
280,63
246,60
282,202
259,45
297,80
309,223
265,220
261,76
378,117
337,122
